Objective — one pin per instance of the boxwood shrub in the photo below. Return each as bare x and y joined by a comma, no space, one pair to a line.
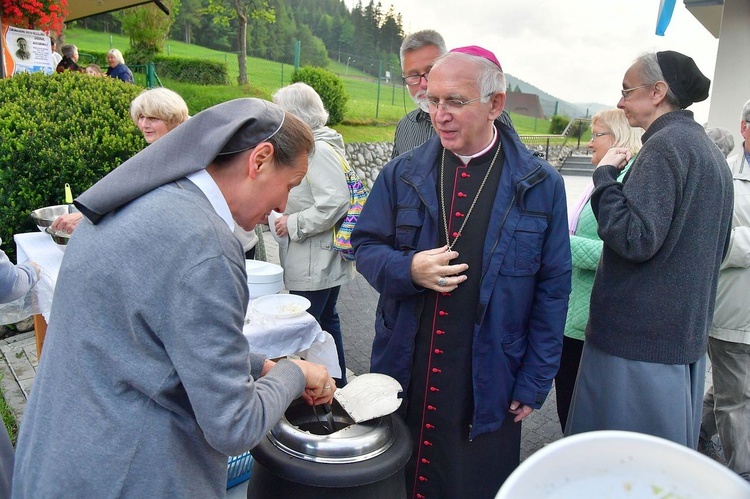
192,70
330,88
182,69
56,129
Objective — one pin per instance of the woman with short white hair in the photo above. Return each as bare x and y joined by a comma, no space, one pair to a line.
156,111
117,67
314,210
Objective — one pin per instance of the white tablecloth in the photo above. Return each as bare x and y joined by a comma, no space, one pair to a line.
38,247
300,335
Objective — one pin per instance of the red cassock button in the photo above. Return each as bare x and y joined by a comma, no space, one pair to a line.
425,461
461,194
436,370
465,175
439,331
429,426
420,496
455,234
459,214
438,351
427,443
433,389
422,479
431,408
442,313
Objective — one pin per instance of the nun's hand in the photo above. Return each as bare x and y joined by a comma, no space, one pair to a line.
617,157
319,386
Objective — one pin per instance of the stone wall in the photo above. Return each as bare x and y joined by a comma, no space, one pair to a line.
368,158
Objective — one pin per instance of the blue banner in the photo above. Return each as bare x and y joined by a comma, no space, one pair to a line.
666,8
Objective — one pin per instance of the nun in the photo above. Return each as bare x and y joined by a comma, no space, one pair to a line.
665,229
147,384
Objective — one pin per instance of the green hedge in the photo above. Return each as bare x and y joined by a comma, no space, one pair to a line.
330,88
182,69
192,70
86,58
64,128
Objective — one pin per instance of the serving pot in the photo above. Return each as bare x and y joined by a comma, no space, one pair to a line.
302,458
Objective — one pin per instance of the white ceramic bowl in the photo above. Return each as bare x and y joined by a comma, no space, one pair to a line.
621,464
263,278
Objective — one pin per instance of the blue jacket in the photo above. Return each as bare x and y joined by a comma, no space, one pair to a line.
525,275
122,72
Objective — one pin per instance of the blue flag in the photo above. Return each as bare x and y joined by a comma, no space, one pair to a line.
666,8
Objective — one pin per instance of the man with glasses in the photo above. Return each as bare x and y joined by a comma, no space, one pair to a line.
466,240
726,405
418,52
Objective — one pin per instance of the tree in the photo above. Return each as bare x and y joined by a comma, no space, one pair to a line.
241,10
189,17
147,26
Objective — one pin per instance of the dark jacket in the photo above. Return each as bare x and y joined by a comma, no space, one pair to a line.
122,72
68,64
665,231
525,275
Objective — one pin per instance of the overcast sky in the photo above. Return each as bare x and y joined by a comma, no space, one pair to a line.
576,50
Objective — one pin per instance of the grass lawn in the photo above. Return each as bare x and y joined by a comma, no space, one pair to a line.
8,419
372,110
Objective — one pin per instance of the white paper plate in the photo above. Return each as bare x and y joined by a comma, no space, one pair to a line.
281,306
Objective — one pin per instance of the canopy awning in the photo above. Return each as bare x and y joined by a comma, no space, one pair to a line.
79,9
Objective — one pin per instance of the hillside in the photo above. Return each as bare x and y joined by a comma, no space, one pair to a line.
564,108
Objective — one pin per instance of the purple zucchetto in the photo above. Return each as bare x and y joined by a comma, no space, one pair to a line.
683,77
479,52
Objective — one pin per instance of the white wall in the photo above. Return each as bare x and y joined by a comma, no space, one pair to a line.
731,85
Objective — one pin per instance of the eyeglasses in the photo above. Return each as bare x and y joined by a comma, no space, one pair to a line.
596,135
626,91
449,105
412,80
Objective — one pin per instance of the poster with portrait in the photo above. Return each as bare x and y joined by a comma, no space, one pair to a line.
26,51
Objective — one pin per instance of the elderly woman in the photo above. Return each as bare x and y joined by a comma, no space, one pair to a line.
722,138
312,268
665,229
155,112
609,129
117,67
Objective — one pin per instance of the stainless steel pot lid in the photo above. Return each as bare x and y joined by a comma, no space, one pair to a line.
303,434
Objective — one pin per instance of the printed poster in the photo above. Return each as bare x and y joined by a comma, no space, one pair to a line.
26,51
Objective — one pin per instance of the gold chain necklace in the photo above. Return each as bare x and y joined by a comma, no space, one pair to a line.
471,208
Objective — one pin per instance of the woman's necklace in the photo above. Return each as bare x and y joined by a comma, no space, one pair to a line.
471,208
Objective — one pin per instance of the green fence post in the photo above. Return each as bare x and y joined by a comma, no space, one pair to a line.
380,80
150,71
297,50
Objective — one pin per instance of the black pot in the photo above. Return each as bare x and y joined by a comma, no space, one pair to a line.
301,458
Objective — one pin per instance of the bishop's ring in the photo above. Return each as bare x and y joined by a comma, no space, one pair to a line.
442,282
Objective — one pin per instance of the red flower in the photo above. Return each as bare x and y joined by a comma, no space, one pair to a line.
45,15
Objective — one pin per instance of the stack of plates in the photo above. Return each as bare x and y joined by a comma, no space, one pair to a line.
263,278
